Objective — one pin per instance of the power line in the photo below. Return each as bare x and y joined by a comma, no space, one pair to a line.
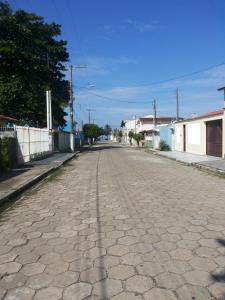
109,98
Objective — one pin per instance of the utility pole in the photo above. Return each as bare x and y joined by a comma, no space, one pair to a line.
177,98
71,106
135,124
71,111
154,112
89,114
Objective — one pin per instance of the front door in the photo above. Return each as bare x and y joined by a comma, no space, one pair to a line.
214,133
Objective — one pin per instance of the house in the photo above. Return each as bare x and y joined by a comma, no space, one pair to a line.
146,126
203,135
4,120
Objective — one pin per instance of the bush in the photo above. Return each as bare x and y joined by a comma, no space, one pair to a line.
163,146
7,153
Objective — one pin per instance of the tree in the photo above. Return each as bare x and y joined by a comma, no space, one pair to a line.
107,130
123,124
32,60
131,134
92,131
138,137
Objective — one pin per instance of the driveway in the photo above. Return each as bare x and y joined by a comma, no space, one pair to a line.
117,224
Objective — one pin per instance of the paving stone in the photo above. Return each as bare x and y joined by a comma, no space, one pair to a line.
157,256
65,279
72,255
139,284
77,291
207,252
9,268
127,296
218,290
165,246
49,258
132,259
107,261
159,294
13,281
8,257
32,235
17,242
188,292
121,272
209,243
95,252
50,235
81,264
202,263
177,266
169,280
181,254
141,248
150,268
128,240
107,288
188,244
198,277
33,269
50,293
2,293
93,275
118,250
39,281
193,236
27,258
57,268
20,293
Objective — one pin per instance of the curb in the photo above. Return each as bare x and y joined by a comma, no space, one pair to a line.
215,171
18,191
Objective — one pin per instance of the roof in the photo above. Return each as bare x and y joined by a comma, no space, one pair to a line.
7,119
207,115
143,119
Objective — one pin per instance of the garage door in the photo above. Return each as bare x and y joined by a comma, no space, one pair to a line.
214,138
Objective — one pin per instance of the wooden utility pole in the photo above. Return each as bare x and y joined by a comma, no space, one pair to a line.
177,105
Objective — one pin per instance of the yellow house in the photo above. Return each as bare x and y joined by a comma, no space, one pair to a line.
203,135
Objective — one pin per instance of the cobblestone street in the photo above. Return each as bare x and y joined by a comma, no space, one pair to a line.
118,224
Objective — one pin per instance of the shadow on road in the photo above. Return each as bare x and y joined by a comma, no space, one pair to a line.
219,277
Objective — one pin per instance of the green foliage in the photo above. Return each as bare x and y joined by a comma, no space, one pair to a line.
163,146
7,153
32,59
92,131
138,137
131,134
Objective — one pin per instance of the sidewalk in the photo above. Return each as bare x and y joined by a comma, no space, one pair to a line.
18,180
215,164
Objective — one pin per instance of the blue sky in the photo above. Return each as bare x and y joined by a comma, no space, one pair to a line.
127,45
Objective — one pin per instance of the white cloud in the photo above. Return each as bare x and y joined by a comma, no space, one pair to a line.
141,26
102,65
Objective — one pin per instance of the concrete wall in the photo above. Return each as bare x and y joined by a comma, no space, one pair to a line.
195,135
33,143
63,141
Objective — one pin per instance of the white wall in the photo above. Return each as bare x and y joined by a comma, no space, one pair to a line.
195,135
32,143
